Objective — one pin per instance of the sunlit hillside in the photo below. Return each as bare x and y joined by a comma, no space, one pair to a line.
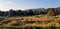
26,22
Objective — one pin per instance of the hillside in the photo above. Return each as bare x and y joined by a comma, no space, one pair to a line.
30,21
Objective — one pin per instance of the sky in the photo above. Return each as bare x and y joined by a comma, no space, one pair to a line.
6,5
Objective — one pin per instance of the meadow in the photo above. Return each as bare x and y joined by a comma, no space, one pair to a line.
30,22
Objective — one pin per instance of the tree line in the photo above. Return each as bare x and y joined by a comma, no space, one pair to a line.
31,12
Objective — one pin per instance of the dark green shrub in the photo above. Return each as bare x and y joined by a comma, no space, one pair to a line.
16,24
38,27
6,22
1,19
28,28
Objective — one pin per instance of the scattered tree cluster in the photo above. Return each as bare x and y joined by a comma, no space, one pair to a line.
30,12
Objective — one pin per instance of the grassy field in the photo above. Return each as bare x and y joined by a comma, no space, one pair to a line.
37,21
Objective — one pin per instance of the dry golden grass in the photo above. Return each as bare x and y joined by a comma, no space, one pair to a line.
45,21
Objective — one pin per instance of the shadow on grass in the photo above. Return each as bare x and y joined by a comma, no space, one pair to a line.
31,28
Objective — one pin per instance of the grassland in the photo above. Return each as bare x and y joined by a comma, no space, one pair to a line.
30,21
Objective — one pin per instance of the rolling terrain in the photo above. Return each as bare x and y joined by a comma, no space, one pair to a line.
30,21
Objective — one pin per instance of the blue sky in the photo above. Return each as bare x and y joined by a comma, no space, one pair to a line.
5,5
